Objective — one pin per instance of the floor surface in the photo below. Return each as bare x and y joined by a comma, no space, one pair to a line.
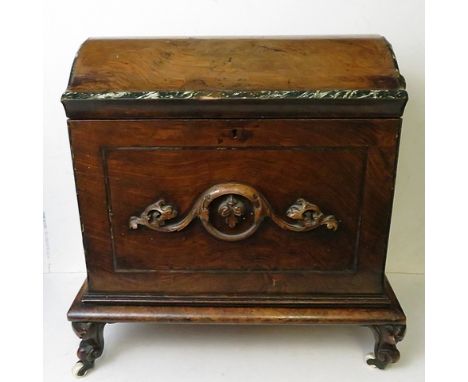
169,353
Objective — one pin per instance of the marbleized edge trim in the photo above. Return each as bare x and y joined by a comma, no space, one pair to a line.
346,94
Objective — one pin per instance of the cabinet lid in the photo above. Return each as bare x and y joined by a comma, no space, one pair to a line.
350,76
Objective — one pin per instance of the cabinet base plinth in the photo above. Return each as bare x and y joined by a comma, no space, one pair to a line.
88,319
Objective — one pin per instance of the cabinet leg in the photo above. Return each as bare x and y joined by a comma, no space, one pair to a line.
386,338
91,345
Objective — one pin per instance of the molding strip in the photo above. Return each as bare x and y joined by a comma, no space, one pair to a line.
346,94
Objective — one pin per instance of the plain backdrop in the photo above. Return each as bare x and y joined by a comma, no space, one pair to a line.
67,25
137,353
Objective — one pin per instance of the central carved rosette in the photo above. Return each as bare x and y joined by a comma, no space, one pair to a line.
232,210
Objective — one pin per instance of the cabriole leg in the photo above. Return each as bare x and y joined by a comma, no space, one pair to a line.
386,338
91,345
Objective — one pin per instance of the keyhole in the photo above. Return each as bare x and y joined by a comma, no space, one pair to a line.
234,133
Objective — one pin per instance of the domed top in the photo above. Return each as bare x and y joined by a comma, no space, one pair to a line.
241,70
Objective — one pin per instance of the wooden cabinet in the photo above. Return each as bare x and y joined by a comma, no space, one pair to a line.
235,181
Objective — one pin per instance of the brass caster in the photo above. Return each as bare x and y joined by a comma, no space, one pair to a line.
372,362
80,369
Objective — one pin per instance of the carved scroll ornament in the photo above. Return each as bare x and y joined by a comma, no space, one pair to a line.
238,202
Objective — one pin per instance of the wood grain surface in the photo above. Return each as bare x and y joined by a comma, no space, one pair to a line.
346,166
234,64
87,312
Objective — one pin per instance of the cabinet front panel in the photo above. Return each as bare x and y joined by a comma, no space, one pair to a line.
344,168
138,177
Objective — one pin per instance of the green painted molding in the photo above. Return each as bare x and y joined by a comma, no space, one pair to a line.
346,94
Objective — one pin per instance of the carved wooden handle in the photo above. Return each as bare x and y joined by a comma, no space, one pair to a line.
240,208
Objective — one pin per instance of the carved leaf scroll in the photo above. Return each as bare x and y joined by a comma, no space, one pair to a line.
304,216
231,209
